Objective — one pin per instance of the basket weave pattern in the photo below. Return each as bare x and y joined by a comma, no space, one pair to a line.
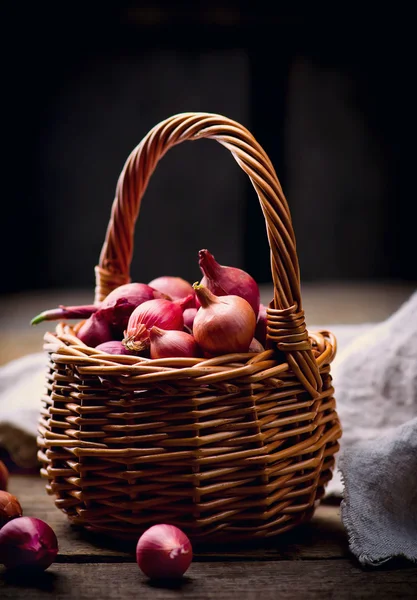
239,446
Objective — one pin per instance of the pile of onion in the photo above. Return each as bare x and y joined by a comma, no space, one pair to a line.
168,317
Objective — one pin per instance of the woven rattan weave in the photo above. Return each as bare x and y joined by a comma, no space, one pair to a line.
236,447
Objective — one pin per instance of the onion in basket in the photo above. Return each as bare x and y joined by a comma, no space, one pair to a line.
223,280
165,314
176,287
172,343
223,324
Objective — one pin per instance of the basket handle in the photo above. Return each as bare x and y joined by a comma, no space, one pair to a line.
286,324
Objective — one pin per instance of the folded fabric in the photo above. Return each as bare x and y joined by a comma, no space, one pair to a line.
379,508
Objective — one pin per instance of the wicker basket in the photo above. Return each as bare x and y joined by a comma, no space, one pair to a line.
236,447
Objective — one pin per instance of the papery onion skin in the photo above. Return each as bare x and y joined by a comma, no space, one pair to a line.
28,542
224,280
9,508
224,324
95,330
114,347
164,552
256,346
4,476
186,302
261,323
176,287
160,312
171,344
189,316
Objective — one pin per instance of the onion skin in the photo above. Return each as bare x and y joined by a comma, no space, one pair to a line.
95,330
28,542
9,508
228,281
223,325
189,316
256,346
164,552
260,330
113,347
172,344
4,476
162,313
119,304
176,287
186,302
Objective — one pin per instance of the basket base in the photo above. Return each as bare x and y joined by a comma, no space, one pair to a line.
204,539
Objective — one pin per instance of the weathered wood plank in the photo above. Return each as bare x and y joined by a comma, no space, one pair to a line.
323,537
321,579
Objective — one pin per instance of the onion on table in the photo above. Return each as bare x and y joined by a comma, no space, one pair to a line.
164,552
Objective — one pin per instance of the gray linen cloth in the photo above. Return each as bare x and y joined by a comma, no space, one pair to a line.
379,508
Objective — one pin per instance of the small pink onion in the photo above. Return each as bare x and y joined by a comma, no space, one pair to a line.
122,301
256,346
189,315
9,508
176,287
164,552
27,542
95,330
113,347
171,343
260,330
4,476
222,280
223,324
160,312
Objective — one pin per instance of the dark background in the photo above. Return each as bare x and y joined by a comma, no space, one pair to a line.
330,98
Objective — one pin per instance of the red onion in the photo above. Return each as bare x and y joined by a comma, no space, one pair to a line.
95,330
189,315
223,324
121,302
65,312
162,313
28,542
171,343
113,347
260,330
164,552
186,302
176,287
255,346
228,281
9,508
4,476
118,306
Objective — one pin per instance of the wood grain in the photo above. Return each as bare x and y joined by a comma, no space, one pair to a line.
323,537
318,579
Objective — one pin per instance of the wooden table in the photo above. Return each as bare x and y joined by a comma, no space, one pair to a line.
312,561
